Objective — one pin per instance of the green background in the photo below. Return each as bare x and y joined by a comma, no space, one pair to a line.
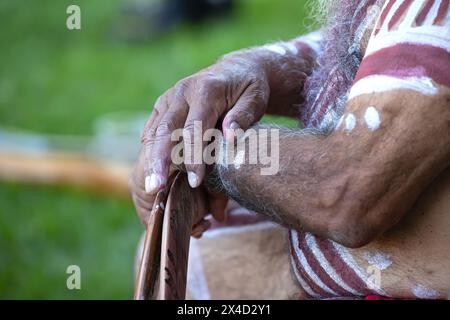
53,80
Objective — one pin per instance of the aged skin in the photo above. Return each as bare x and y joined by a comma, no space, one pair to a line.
352,187
375,180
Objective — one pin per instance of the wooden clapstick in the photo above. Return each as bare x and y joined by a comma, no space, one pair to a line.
163,269
149,266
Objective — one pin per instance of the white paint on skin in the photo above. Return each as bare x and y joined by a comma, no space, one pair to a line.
350,122
411,15
379,259
291,47
381,83
435,36
372,118
423,292
276,48
392,11
347,257
433,13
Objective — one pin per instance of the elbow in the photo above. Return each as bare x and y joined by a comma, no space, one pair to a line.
351,238
353,230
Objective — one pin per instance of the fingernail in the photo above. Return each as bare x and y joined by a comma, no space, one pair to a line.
234,125
193,179
151,183
230,132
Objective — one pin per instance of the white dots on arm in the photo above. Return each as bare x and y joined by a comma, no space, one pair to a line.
372,118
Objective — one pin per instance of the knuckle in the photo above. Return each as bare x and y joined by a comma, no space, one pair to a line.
165,127
211,86
181,87
148,136
245,116
189,128
160,101
143,215
131,183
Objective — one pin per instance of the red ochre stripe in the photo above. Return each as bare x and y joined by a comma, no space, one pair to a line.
424,12
399,13
317,290
408,60
323,101
315,116
442,12
347,274
318,105
384,14
316,266
361,14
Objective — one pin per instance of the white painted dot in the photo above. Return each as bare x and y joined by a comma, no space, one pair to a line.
423,292
372,118
350,122
276,48
379,259
291,47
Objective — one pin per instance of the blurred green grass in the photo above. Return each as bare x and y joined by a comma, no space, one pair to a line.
58,81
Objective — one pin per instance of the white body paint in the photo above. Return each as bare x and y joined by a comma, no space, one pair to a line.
291,47
391,13
372,118
362,274
435,36
380,83
378,259
422,292
350,122
276,48
433,12
411,15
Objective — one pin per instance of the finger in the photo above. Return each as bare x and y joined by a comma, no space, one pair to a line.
142,203
201,227
217,205
203,115
249,109
136,183
144,215
152,181
164,143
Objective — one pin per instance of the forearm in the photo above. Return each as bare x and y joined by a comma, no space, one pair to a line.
286,65
349,187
